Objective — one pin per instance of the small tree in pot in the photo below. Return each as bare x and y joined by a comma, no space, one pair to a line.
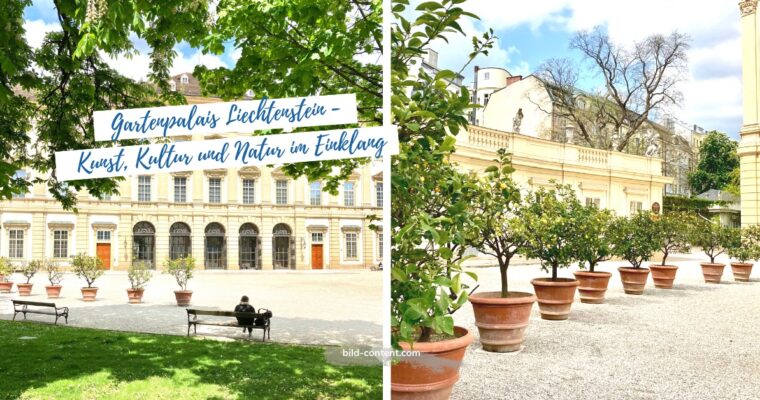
713,239
550,223
743,248
501,317
55,277
594,245
138,275
635,240
29,270
673,233
5,273
182,271
751,241
88,268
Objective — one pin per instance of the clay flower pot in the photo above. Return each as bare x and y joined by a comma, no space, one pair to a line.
89,293
555,296
712,272
183,297
634,279
53,291
24,289
5,287
741,271
663,275
432,375
501,321
592,285
135,295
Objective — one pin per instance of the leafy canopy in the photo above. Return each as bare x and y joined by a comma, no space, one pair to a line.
635,238
718,160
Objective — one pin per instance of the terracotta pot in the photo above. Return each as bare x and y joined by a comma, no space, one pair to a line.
501,321
592,285
712,272
663,275
24,289
634,279
135,295
53,291
555,297
89,293
741,271
5,287
432,375
183,297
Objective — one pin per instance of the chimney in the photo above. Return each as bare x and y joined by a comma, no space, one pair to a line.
513,79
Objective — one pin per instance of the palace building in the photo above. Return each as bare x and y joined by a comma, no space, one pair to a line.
233,219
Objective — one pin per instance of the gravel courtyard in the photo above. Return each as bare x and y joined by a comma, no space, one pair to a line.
696,341
310,307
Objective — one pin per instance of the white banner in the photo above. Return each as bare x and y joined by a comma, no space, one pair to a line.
375,142
236,116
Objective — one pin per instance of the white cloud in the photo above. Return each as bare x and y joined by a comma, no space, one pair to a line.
36,31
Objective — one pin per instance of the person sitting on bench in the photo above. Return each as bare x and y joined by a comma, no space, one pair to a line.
247,308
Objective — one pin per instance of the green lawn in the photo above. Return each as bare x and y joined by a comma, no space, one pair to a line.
75,363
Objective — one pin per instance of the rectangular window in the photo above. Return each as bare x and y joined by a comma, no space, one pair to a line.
104,236
380,245
351,246
593,201
60,244
636,206
16,243
249,191
348,194
379,193
315,194
317,237
143,188
281,194
215,190
486,76
180,189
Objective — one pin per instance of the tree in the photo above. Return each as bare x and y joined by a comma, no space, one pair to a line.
673,232
637,81
718,161
712,238
495,214
635,238
550,223
594,243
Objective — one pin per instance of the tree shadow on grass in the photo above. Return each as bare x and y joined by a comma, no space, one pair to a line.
63,360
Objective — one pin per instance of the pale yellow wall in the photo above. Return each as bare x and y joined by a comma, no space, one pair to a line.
527,94
749,145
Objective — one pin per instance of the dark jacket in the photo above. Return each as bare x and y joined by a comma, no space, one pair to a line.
245,307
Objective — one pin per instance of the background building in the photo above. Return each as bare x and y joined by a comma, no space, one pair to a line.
236,218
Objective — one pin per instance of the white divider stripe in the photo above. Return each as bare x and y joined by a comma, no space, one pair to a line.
237,116
374,142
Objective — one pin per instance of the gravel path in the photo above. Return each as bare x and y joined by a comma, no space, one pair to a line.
696,341
315,307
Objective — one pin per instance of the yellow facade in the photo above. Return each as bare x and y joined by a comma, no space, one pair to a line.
749,145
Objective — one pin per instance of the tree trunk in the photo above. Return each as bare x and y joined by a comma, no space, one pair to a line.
554,272
664,257
591,266
425,334
504,285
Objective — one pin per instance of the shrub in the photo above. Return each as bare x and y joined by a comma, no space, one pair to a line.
711,237
30,269
673,232
54,274
594,243
635,238
139,275
739,246
87,267
5,269
181,269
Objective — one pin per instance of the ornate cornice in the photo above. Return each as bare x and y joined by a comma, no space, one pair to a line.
748,7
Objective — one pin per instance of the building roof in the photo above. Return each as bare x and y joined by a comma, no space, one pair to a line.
719,195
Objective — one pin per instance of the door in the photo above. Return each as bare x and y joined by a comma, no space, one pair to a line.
316,256
103,251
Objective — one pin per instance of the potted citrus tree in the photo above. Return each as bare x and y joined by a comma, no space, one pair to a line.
594,246
635,240
55,277
713,239
549,220
742,248
138,275
182,271
5,276
501,317
88,268
673,233
29,270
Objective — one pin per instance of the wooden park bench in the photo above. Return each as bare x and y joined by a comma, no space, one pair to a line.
262,315
22,306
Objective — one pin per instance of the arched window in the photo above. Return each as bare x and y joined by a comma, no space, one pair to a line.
283,247
216,247
249,244
144,244
179,241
